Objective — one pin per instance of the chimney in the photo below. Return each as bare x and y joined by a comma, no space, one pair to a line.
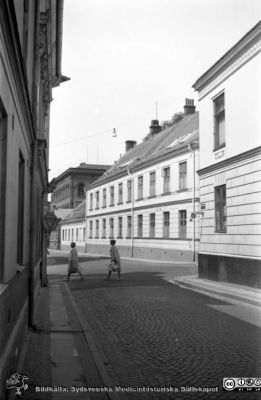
189,107
155,127
130,144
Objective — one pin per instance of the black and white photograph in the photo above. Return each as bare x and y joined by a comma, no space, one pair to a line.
130,199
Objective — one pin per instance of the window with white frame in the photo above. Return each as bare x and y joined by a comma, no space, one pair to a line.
129,225
111,227
104,228
166,180
153,183
120,193
183,175
182,224
120,227
140,225
152,225
97,197
97,229
91,229
104,195
166,224
91,201
219,121
129,190
111,195
140,187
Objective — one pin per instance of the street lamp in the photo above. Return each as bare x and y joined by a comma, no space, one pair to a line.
50,222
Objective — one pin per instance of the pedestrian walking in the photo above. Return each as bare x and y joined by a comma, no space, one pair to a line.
115,264
73,262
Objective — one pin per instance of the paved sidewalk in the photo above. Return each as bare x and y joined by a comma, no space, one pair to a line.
56,357
214,289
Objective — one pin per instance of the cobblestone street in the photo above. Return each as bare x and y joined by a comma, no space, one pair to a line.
144,332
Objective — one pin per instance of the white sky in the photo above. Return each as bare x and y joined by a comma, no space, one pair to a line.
124,55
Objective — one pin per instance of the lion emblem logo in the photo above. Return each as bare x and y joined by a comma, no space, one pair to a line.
17,382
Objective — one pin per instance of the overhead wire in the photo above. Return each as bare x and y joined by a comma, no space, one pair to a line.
119,125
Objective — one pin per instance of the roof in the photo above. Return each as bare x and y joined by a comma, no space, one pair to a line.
235,51
62,212
83,168
163,145
77,213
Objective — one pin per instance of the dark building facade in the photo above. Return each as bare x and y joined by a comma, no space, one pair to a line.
30,66
71,185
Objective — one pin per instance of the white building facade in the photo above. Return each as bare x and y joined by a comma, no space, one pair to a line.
147,201
230,165
73,229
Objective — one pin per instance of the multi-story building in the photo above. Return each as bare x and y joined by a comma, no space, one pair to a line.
70,186
147,200
73,228
230,165
30,66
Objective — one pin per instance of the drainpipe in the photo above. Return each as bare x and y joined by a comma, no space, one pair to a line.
132,212
193,201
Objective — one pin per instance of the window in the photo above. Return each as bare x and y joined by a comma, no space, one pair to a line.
112,196
166,180
166,224
219,121
182,223
91,201
140,187
104,198
220,208
63,235
183,175
97,229
104,228
20,228
152,225
152,183
72,235
120,227
91,229
84,234
81,190
77,234
129,190
97,197
140,225
69,234
111,228
120,193
129,226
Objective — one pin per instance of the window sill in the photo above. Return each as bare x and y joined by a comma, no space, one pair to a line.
119,237
224,231
112,205
140,198
90,209
221,146
97,208
182,190
128,201
166,194
103,206
118,204
152,196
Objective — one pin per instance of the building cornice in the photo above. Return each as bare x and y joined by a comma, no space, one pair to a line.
232,160
242,52
145,207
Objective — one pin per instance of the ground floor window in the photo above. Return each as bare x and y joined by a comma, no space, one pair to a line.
182,223
152,225
220,209
166,224
140,225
